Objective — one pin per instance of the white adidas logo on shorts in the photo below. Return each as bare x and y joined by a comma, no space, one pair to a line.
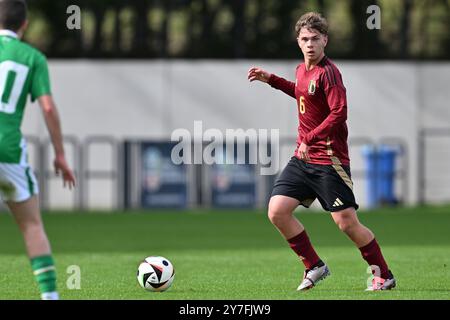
337,202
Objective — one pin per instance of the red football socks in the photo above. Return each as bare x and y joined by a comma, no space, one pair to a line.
304,249
372,254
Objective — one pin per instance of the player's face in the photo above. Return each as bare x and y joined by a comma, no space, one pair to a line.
312,43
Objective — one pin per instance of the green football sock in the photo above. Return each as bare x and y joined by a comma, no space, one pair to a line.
44,272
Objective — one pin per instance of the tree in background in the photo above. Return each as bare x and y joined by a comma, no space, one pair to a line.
237,28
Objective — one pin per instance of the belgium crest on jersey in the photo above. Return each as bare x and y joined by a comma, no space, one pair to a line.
312,87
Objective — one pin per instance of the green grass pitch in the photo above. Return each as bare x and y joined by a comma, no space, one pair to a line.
220,254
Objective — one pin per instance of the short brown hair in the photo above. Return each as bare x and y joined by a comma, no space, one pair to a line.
13,14
312,20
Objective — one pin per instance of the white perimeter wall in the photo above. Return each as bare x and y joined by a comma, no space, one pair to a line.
149,99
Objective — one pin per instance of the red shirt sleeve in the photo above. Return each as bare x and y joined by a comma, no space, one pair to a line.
335,94
282,84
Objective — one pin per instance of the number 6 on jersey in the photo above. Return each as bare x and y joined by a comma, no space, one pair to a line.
301,105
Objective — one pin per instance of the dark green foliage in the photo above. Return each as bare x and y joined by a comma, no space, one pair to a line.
410,29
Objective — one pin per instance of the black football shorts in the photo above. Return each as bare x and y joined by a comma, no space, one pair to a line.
330,184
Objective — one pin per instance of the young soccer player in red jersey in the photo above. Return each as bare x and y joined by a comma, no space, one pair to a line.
320,167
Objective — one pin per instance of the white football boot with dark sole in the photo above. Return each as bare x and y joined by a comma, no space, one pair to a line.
313,276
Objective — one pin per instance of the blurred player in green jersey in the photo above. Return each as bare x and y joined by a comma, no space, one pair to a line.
23,72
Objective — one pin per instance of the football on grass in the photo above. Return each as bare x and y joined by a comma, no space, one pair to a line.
155,274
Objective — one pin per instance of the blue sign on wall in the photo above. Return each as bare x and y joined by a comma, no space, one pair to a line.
233,184
163,183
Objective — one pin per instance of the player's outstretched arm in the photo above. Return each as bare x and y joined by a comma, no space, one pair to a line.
259,74
54,128
256,73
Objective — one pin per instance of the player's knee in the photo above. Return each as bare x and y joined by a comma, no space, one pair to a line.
347,222
347,225
277,215
274,218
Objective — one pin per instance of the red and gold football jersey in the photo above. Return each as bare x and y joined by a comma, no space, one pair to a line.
322,111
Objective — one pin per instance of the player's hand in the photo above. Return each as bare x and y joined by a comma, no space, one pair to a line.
256,73
61,166
303,152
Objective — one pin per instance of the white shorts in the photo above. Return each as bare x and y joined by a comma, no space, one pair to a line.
17,182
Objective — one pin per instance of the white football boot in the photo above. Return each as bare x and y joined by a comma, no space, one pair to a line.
50,295
313,276
382,284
